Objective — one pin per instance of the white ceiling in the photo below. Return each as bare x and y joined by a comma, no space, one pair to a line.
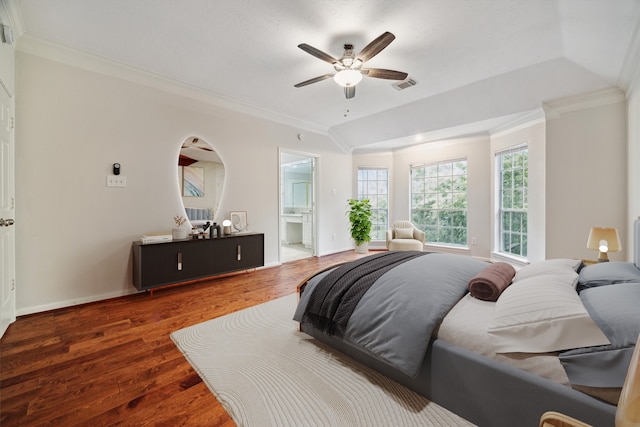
477,62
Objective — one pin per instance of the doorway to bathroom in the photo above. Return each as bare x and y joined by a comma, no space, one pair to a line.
297,205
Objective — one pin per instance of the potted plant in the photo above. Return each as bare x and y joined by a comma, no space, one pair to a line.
360,218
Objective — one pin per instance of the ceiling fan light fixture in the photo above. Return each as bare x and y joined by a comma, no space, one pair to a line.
347,78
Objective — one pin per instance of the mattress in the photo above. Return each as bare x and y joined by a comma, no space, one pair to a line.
466,327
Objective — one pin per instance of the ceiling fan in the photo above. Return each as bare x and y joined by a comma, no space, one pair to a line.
349,69
195,143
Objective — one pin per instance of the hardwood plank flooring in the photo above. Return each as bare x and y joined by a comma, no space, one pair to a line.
113,363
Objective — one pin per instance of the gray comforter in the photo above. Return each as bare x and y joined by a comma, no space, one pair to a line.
395,319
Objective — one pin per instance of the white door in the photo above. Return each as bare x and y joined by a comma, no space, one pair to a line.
308,219
7,211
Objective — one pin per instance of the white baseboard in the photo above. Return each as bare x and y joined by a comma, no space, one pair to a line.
335,251
76,301
270,265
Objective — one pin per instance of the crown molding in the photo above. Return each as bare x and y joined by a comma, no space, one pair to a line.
339,142
611,95
524,120
38,47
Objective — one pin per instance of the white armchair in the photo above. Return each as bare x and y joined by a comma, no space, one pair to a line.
404,236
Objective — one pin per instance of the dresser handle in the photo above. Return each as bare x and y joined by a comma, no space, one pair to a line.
179,261
239,252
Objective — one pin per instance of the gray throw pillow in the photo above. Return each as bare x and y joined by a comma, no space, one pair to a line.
608,273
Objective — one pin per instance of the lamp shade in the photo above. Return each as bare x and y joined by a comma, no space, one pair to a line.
610,237
348,77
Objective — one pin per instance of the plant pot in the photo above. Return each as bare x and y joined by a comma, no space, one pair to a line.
362,248
179,233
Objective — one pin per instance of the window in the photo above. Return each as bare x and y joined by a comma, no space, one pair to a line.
513,169
439,201
373,184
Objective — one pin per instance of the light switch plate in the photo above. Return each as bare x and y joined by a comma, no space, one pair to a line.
116,181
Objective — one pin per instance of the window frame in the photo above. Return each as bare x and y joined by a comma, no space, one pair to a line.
378,228
519,213
442,214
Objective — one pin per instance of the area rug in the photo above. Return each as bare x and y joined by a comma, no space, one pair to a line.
266,373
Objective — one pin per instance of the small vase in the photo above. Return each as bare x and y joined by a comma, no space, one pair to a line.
180,233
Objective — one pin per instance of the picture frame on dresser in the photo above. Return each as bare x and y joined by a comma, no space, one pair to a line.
238,221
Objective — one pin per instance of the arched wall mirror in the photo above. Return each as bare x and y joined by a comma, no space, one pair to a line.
201,178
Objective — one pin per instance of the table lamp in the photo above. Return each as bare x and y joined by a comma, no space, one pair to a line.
604,240
226,226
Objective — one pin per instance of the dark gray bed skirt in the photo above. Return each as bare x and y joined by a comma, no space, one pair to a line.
483,391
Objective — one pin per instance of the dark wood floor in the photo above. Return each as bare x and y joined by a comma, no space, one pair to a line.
113,362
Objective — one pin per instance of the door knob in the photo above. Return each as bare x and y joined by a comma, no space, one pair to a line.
6,222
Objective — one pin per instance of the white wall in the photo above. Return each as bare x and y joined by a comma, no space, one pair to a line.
74,234
586,166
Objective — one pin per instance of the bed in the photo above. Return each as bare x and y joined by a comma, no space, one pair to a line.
557,337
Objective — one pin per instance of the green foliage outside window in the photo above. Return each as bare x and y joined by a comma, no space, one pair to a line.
514,176
373,185
439,201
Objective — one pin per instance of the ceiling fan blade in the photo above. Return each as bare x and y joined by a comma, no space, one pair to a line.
198,146
380,73
313,80
317,53
375,47
349,92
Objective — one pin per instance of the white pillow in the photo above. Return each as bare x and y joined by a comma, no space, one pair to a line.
542,314
549,266
404,233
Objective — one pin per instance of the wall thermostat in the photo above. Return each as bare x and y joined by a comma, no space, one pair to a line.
116,168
